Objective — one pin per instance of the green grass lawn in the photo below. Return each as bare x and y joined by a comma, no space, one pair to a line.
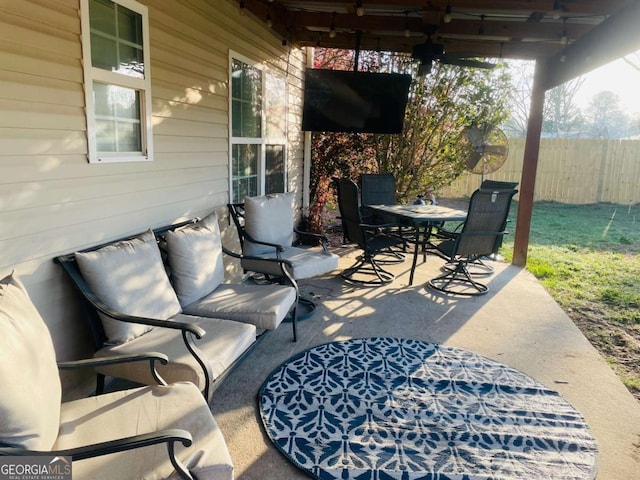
588,258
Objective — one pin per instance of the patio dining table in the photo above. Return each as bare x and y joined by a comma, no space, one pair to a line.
421,218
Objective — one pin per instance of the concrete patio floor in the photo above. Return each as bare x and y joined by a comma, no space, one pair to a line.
517,323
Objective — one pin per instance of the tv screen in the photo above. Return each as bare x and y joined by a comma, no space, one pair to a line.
360,102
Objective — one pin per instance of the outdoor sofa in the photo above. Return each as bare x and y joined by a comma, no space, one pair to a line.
163,291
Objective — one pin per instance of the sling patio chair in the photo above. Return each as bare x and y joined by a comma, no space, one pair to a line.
371,238
479,236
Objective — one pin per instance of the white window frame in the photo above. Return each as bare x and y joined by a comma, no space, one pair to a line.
262,141
142,85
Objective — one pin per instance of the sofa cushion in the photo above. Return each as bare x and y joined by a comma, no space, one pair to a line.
195,257
146,410
224,343
264,306
307,263
268,219
129,276
31,390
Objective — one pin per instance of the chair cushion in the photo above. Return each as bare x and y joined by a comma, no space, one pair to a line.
268,219
31,390
224,342
195,257
264,306
129,276
307,263
143,410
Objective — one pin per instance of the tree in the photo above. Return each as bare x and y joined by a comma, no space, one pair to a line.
561,115
606,119
426,155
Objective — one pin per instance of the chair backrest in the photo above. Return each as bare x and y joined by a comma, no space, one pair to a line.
270,219
349,205
486,219
496,185
378,189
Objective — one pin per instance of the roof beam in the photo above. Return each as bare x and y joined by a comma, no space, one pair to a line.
616,37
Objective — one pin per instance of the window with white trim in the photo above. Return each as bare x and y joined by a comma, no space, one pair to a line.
115,48
258,130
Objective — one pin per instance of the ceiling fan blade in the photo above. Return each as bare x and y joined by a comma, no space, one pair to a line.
495,150
466,62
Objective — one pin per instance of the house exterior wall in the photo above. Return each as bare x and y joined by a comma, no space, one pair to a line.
52,201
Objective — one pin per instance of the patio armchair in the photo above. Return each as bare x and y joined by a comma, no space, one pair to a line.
266,232
370,237
478,236
162,431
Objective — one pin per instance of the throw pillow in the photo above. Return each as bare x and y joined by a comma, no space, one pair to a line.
129,276
195,258
31,390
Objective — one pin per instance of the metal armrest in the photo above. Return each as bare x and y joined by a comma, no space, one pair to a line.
324,240
286,267
168,436
151,357
279,248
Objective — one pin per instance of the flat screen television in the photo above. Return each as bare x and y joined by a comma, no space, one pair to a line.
355,102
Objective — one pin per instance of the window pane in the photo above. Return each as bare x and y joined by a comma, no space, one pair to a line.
236,118
250,121
246,94
104,52
131,61
274,175
129,26
275,108
103,16
106,135
118,119
128,135
244,171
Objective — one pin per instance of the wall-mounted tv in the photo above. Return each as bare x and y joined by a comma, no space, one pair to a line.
360,102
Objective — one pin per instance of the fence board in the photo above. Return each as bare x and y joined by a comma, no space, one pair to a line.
574,171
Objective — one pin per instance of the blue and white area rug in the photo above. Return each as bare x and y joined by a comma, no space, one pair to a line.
388,408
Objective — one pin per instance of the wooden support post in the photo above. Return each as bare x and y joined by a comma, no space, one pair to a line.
530,166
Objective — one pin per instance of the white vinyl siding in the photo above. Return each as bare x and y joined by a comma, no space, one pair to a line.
53,201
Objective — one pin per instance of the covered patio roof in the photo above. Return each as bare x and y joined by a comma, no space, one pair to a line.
566,38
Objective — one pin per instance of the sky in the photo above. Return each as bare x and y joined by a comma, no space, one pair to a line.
618,77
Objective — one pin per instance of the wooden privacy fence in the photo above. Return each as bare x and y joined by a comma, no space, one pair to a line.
573,171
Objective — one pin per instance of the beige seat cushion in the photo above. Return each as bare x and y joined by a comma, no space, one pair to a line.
264,306
30,392
143,410
224,342
195,256
307,263
269,219
129,276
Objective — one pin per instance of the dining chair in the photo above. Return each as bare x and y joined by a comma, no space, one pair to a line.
479,236
371,238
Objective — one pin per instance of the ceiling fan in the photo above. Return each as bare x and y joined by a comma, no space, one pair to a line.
428,52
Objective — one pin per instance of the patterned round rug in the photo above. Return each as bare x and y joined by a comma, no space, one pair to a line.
389,408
